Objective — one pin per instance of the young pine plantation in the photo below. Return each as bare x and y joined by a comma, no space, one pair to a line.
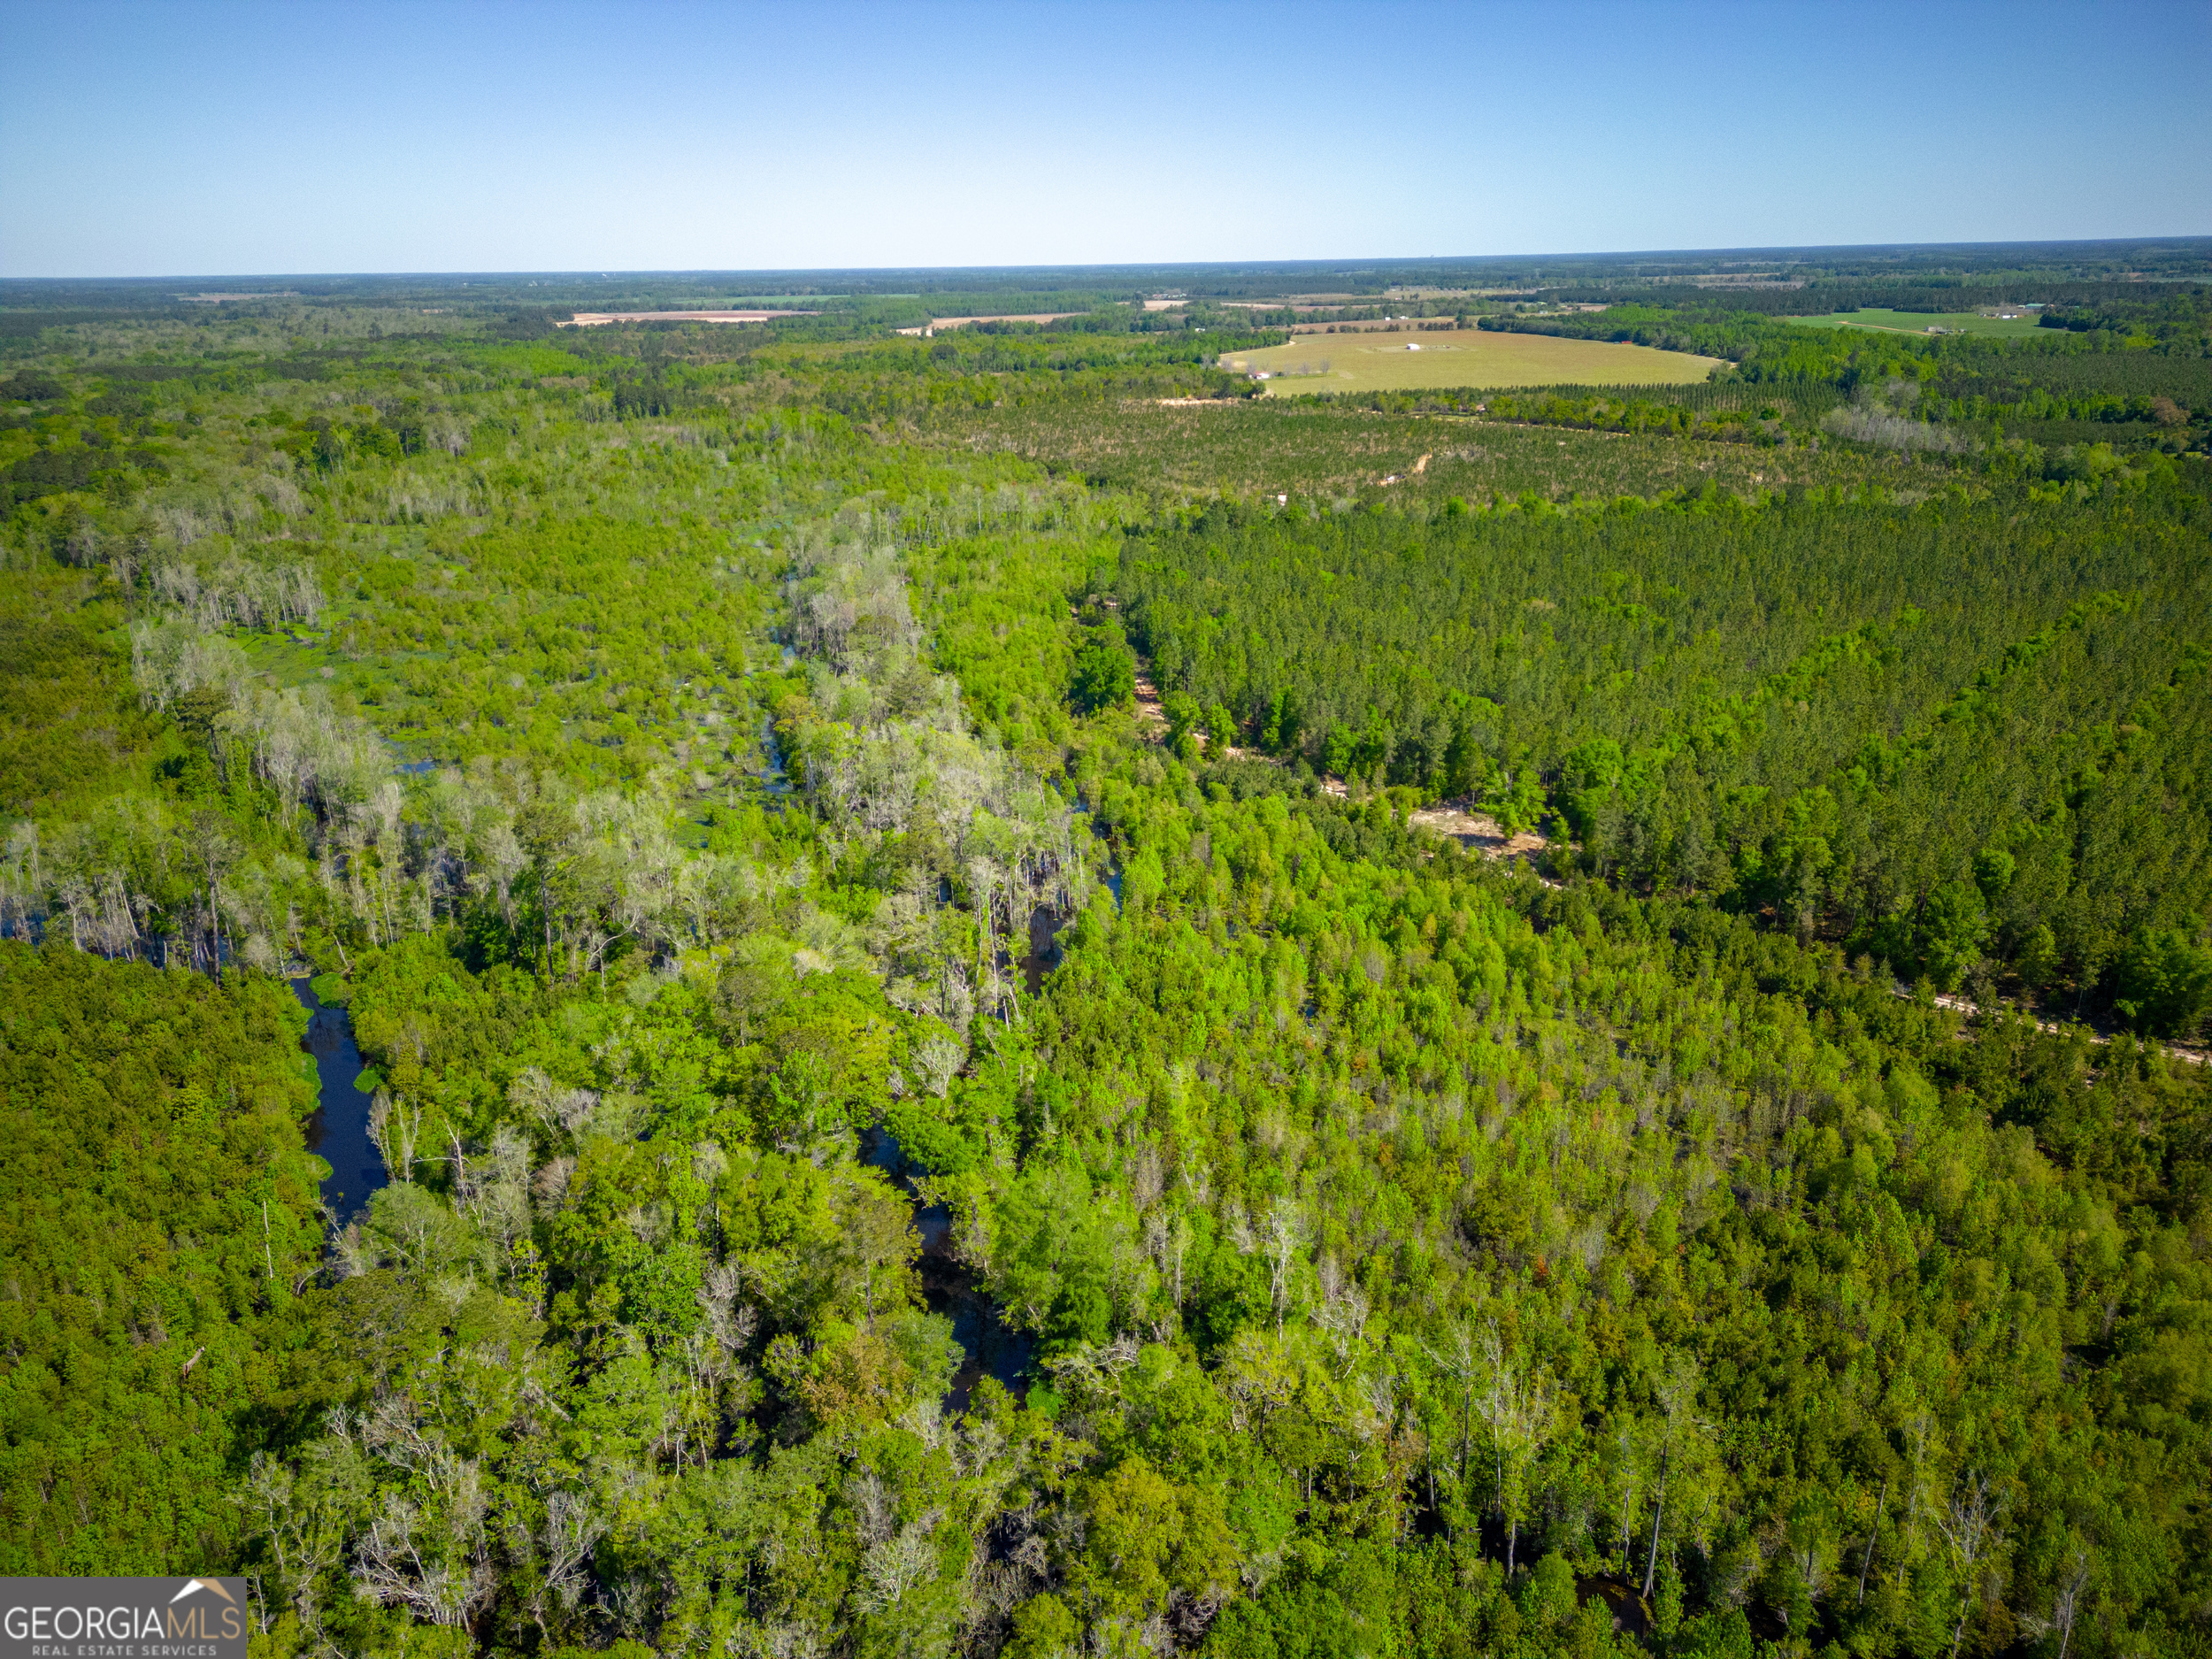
928,1084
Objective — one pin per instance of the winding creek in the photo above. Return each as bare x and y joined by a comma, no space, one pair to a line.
339,1131
771,776
989,1347
339,1134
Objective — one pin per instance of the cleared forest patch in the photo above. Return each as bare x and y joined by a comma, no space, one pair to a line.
1477,832
1891,322
1405,359
935,322
1311,449
595,319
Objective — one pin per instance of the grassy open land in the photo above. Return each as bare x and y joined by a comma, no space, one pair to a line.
1920,322
1384,362
1314,450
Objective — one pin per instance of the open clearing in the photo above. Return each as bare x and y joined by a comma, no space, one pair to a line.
1921,322
936,323
594,319
1318,450
1382,362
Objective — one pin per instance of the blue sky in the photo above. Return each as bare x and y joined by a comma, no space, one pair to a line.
200,139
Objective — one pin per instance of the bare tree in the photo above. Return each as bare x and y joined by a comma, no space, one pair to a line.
1344,1311
939,1059
442,1574
1285,1238
897,1564
1677,1395
570,1530
1872,1532
1517,1410
1457,1361
1630,1472
1168,1240
1971,1532
305,1532
2065,1602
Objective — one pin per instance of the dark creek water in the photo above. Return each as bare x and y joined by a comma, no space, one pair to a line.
1045,924
1113,863
988,1347
339,1131
771,776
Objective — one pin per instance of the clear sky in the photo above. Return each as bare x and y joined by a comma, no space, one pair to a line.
182,139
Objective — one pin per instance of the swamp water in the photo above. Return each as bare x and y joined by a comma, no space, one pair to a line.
339,1132
989,1346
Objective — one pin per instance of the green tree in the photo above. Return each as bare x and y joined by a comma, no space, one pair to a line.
1105,677
2164,982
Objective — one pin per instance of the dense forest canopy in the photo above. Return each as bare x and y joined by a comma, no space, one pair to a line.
1898,269
1011,1002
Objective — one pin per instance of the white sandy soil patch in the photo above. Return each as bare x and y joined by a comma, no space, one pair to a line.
594,319
1475,832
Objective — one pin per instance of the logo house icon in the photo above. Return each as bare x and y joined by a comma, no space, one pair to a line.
192,1584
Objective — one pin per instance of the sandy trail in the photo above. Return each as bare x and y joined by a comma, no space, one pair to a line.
1149,713
2055,1027
1455,819
1480,833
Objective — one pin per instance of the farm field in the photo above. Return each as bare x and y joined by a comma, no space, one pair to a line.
1383,362
1919,322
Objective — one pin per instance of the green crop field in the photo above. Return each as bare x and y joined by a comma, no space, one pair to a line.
1921,322
1386,362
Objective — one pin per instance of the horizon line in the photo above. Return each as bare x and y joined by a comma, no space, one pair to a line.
605,273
